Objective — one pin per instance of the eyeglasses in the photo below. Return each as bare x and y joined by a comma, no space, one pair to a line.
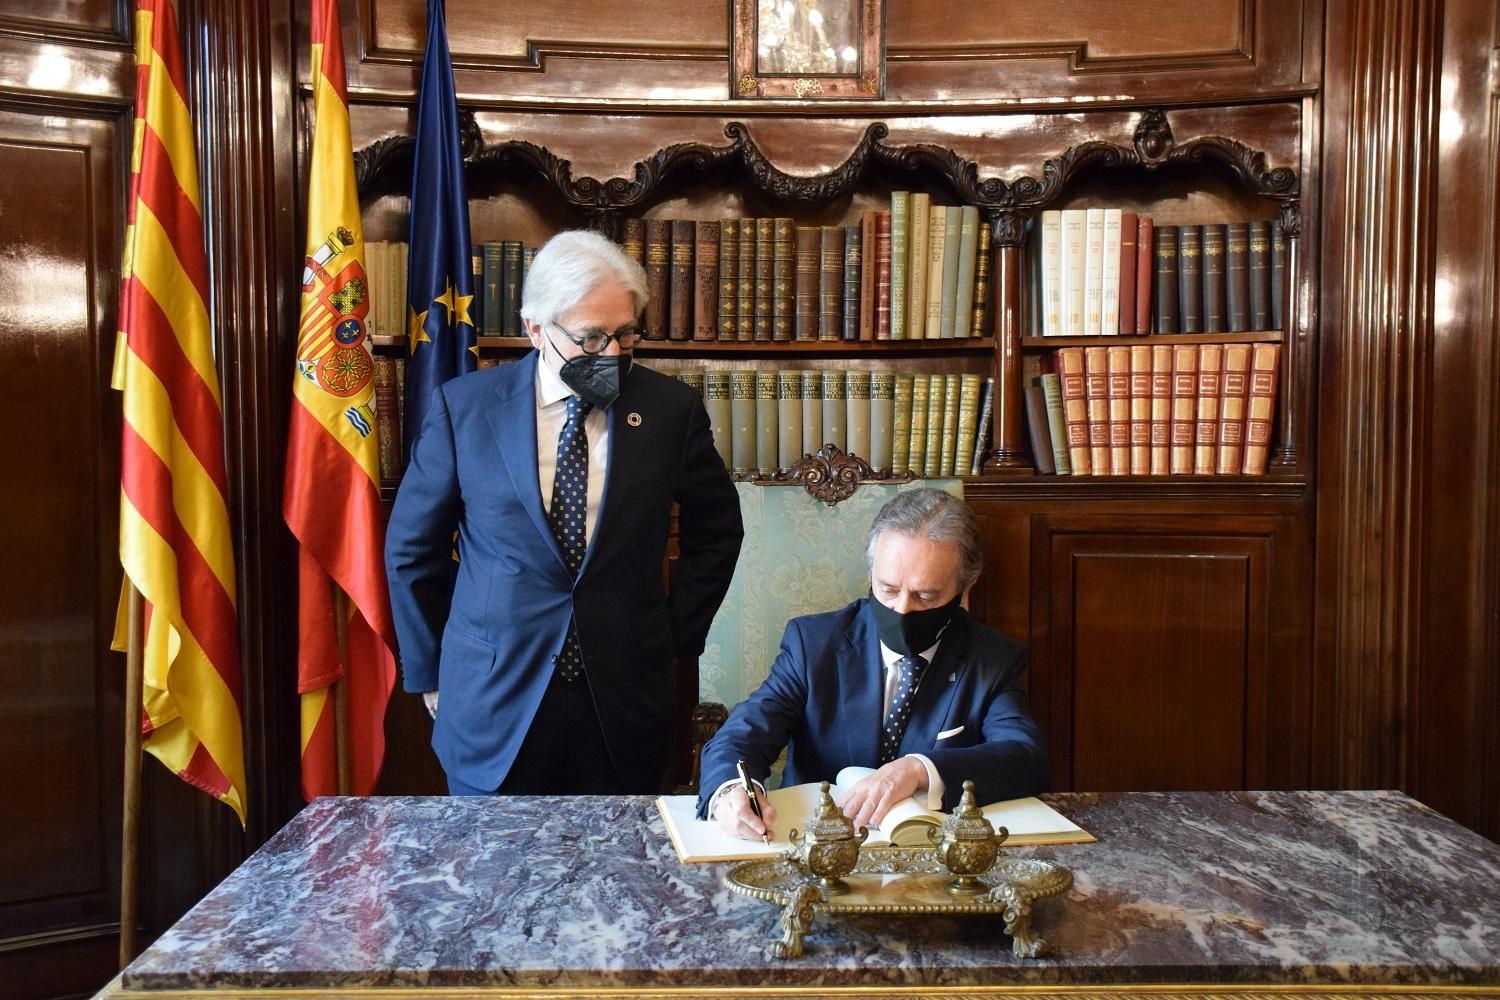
595,341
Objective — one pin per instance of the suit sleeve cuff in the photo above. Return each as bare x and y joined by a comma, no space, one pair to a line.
934,798
713,801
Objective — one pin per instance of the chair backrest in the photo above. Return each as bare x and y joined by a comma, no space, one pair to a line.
800,556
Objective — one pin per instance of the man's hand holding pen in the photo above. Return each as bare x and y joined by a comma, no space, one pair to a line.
736,815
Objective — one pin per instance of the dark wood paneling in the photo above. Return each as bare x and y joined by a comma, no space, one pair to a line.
665,52
60,18
60,708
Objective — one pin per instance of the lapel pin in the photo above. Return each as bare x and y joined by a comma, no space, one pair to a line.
633,419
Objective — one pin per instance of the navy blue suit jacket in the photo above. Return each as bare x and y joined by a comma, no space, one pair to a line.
823,701
486,641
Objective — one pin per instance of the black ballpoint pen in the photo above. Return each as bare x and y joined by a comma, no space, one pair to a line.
739,765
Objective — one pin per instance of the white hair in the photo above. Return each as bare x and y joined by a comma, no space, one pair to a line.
569,267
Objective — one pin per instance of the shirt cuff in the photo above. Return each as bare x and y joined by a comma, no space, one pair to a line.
713,801
935,785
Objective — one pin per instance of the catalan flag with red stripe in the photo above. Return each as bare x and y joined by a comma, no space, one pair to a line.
332,497
175,543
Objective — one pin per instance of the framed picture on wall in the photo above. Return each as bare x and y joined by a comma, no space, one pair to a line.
807,49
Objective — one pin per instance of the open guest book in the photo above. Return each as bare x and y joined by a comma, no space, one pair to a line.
1030,821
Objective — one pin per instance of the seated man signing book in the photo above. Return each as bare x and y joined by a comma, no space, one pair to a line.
903,681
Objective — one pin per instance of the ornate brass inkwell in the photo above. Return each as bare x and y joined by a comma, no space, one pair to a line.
828,869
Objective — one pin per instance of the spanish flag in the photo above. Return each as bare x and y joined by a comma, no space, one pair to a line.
332,497
175,544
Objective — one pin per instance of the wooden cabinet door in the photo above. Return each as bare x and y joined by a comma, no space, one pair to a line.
1165,651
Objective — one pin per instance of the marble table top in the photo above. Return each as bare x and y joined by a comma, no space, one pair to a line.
1291,888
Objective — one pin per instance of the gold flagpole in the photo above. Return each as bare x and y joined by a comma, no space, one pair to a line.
341,693
135,663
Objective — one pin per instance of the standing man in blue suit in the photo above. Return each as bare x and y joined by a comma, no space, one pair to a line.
547,661
902,680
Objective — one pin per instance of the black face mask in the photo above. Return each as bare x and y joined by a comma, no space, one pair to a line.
594,377
915,631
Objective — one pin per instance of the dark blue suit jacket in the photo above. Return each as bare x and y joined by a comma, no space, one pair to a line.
487,640
823,702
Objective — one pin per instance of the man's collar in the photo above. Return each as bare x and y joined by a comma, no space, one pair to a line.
549,387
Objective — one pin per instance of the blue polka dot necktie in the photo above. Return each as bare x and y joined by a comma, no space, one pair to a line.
568,513
899,713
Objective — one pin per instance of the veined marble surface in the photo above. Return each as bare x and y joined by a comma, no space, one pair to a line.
1200,887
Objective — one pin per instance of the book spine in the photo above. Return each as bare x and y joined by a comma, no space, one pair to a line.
682,289
1052,282
835,409
853,270
1161,409
658,277
1184,407
1237,275
1145,268
1260,275
979,326
476,273
633,240
744,310
1129,231
900,246
1165,304
916,452
783,278
968,247
812,411
857,411
1235,388
693,378
917,265
728,276
1278,277
882,419
705,280
1190,278
805,288
510,290
901,425
765,278
1119,410
883,276
1093,270
982,427
743,438
1140,410
937,242
1260,408
869,239
720,413
944,388
1075,409
1037,428
387,418
1109,282
1071,291
969,387
492,270
1206,435
830,282
1214,287
1096,390
789,422
1057,425
952,250
767,422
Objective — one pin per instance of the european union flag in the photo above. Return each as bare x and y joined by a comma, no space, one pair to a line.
441,340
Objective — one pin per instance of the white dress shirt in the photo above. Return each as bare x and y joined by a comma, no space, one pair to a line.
551,414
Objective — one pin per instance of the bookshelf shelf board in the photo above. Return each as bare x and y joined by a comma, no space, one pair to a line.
1275,487
1250,337
830,348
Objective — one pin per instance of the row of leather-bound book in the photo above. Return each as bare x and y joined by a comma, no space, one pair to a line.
1154,409
1106,271
764,420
